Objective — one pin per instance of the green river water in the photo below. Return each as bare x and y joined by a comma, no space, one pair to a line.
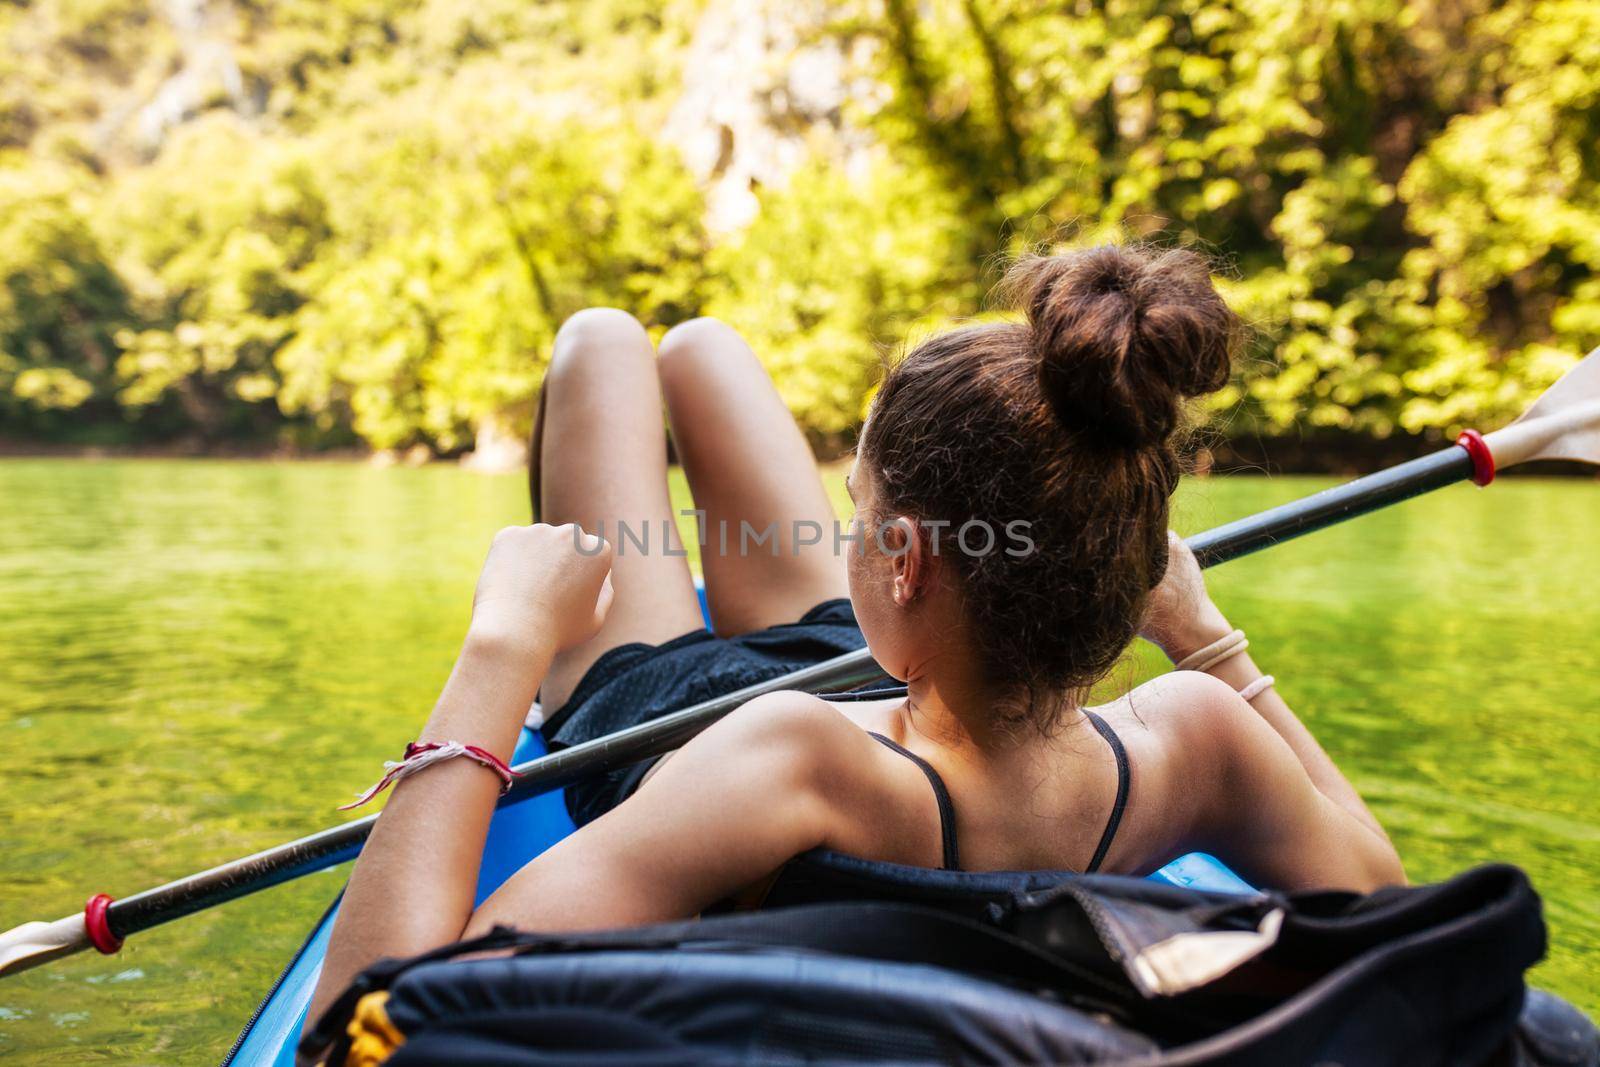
200,659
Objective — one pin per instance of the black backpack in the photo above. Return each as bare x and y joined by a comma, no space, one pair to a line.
933,967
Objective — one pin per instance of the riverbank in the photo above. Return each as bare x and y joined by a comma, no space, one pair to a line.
1344,455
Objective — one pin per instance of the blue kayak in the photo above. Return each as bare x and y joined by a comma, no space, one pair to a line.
517,834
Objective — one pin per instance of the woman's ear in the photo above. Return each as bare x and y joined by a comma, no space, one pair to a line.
903,542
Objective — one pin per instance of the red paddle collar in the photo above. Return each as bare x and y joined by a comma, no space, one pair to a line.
99,930
1482,458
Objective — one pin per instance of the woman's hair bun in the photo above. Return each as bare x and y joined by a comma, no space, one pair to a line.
1123,335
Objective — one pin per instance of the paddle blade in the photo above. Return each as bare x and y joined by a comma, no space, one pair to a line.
1564,423
34,943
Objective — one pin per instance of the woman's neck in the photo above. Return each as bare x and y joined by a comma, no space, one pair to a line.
955,707
951,698
942,711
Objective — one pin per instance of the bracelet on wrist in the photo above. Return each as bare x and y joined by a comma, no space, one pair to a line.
1223,648
420,756
1257,687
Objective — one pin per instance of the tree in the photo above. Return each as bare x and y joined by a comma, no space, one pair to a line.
461,244
61,302
377,230
832,275
217,236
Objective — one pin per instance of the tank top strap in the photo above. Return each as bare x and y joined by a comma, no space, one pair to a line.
947,810
1117,807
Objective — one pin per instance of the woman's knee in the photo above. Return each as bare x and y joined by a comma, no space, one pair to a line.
698,346
598,339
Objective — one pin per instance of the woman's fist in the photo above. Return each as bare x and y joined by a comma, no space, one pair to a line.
543,587
1181,617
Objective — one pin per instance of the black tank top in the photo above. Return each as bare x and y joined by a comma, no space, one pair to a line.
947,811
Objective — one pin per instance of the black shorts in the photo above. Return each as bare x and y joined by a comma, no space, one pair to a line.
635,683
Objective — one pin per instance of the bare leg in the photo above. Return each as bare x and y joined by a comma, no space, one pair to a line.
536,459
747,462
602,458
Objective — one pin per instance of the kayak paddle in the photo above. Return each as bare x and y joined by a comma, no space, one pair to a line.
1564,423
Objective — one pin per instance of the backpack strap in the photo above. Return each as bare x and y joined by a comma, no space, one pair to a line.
900,933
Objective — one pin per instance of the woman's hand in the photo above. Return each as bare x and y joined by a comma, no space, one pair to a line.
542,587
1181,617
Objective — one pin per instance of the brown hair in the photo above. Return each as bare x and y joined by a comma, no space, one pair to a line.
1067,422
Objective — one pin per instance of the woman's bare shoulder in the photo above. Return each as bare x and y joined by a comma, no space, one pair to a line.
790,711
806,729
1176,733
803,750
1176,706
1190,725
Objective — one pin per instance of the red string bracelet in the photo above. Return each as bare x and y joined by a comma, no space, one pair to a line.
419,756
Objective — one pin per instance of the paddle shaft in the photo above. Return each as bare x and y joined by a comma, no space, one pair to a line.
321,850
1298,517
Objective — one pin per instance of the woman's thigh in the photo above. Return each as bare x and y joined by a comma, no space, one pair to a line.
753,476
603,465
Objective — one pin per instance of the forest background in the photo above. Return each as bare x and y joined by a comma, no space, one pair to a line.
306,225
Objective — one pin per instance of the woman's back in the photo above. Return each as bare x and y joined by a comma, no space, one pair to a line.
1032,802
1198,769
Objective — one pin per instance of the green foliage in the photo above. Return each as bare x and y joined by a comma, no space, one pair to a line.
388,250
1507,202
1406,190
368,217
219,233
433,314
830,274
60,299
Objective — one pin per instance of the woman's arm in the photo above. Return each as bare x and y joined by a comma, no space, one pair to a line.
1252,803
1182,619
730,808
726,811
1239,671
413,884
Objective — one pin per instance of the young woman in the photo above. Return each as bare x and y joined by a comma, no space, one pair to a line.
1055,432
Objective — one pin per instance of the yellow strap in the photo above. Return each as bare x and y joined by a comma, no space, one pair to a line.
373,1038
